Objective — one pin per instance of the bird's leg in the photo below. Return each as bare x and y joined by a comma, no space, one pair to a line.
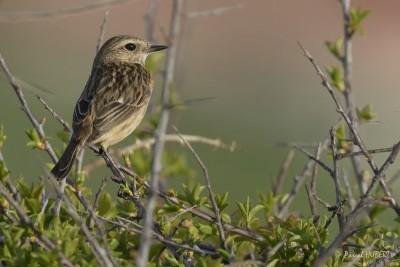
119,176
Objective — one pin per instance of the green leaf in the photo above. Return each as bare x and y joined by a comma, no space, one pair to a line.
206,229
365,114
336,76
63,136
254,210
2,136
272,263
35,140
225,254
356,17
336,48
107,207
242,210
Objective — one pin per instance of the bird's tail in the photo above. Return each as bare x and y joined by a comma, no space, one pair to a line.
64,164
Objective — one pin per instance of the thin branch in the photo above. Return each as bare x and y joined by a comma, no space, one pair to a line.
9,182
179,214
282,173
311,190
365,201
60,12
215,11
313,158
156,167
350,124
210,192
36,124
358,153
162,239
66,126
150,19
298,180
335,177
349,191
102,31
147,143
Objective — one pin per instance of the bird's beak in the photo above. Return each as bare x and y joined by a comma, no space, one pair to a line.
154,48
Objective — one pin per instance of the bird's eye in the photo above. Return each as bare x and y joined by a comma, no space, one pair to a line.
130,47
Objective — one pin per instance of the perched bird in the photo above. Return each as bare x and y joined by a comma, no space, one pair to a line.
114,100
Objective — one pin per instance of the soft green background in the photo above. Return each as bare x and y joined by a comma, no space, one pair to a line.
248,59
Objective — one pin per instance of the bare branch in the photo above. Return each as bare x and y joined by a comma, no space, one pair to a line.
102,31
210,192
215,11
147,143
146,239
282,173
350,123
60,12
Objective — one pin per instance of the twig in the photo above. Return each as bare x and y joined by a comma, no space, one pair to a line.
365,201
347,64
60,12
179,214
298,180
66,126
38,127
311,190
282,173
210,192
102,31
335,177
147,143
349,122
214,12
145,241
149,19
358,153
349,191
161,238
9,183
312,157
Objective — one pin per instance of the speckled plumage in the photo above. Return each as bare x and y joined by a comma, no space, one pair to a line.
114,100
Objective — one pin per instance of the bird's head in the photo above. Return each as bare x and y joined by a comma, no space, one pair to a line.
126,49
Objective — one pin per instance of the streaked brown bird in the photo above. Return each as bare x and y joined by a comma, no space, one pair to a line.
114,100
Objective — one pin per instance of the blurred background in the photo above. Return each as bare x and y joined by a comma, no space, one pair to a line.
264,90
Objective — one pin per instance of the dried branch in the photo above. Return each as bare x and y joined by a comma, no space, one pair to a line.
312,157
335,177
102,31
36,124
145,241
9,182
147,143
215,11
347,64
60,12
282,173
357,139
210,192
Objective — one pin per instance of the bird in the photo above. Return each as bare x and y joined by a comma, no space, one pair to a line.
114,100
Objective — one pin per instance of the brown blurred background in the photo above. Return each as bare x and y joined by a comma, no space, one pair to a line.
248,60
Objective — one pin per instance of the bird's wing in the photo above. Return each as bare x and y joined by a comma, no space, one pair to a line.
120,95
